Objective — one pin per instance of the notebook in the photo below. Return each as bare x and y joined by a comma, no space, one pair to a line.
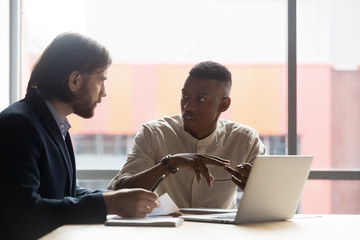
272,192
150,221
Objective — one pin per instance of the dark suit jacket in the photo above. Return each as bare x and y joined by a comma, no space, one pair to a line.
37,175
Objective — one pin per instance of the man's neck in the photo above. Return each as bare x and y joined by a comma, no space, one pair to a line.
64,109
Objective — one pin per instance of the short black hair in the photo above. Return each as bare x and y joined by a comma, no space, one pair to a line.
67,53
212,71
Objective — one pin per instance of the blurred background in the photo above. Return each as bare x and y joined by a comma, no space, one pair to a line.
155,43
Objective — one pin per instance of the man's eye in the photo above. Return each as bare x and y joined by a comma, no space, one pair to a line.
184,96
201,99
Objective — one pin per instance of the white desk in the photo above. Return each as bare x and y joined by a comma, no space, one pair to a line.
304,227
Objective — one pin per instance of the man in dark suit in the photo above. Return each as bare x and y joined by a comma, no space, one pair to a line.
37,165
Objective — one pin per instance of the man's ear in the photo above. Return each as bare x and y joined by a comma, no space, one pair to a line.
75,81
225,104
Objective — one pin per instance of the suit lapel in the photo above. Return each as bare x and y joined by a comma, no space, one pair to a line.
72,158
56,135
54,131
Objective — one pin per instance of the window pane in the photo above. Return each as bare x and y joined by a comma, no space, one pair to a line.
328,97
338,197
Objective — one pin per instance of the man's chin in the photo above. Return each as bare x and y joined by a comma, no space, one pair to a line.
85,114
187,128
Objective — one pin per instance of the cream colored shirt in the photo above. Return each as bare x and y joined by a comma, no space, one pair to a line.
158,138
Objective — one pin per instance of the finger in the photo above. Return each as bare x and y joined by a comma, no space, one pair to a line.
247,166
157,203
230,169
239,183
196,170
245,170
205,171
149,195
148,209
235,173
152,204
212,178
215,160
141,211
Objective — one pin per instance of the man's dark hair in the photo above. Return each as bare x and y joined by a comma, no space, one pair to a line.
212,70
67,53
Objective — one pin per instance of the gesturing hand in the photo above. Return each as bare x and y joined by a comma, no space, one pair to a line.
240,175
135,202
197,163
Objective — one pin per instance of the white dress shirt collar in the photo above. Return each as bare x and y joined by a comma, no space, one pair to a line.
63,124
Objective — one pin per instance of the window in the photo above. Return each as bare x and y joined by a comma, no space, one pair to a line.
155,43
328,96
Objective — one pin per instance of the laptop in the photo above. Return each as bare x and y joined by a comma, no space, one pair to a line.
272,193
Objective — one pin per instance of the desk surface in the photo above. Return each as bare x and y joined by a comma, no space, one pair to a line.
340,227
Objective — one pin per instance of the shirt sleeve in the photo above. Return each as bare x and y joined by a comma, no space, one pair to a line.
141,157
256,147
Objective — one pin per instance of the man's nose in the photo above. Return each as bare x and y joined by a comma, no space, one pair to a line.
103,91
189,105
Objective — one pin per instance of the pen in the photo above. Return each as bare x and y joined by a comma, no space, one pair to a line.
158,182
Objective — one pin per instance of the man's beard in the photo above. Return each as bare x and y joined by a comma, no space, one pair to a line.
84,108
83,105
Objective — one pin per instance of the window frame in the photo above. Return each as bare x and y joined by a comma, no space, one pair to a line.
15,49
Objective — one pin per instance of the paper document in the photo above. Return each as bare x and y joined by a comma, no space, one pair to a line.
155,218
154,221
167,206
